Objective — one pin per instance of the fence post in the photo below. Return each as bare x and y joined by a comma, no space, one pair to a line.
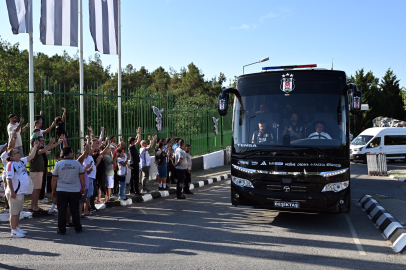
207,129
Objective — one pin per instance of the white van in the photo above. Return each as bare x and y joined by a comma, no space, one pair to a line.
389,140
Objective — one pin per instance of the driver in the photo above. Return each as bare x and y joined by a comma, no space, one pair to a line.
263,135
319,134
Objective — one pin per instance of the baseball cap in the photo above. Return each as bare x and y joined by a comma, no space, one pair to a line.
11,115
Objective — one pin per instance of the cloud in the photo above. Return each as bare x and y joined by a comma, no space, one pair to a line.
244,26
262,19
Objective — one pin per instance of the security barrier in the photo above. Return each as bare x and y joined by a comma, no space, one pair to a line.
377,164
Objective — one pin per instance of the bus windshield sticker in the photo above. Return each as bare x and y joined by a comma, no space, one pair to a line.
287,83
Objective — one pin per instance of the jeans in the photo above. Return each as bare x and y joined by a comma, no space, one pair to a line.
179,184
71,199
145,175
123,183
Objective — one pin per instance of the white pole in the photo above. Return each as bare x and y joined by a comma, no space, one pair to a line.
119,70
81,100
31,82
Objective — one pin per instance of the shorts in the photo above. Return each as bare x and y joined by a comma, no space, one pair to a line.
91,188
162,170
36,178
110,181
83,199
16,205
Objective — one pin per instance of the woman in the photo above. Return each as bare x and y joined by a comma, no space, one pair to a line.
122,172
109,170
17,186
160,160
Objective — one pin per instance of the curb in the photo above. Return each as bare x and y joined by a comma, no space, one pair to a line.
391,228
398,178
144,198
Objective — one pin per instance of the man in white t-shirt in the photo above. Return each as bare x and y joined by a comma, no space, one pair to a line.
14,126
17,186
319,134
145,162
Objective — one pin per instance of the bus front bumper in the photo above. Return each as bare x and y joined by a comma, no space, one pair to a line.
320,202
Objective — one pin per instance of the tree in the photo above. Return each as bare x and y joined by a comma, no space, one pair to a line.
392,96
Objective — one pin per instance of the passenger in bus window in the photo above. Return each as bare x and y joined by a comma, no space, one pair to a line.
293,128
263,108
263,135
319,134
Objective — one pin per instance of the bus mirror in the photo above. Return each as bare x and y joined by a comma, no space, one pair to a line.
223,100
355,99
223,104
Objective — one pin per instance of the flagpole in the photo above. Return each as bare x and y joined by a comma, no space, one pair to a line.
81,99
119,70
31,82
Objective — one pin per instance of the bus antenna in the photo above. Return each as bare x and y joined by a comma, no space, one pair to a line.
332,63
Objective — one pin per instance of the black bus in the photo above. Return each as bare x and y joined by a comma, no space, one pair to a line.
290,144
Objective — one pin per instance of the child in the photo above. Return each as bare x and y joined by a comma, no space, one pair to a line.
122,172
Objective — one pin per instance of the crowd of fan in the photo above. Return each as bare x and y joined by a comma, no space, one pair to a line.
78,182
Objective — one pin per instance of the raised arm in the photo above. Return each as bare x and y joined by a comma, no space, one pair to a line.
172,140
47,147
101,133
151,143
19,124
138,138
91,132
50,128
25,127
33,151
63,115
105,149
13,140
56,144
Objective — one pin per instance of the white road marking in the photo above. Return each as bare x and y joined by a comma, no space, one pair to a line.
355,237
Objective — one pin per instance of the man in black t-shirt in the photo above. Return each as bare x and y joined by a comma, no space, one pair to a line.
134,162
293,128
60,127
264,135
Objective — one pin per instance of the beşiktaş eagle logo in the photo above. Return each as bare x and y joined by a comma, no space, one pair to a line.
158,118
287,83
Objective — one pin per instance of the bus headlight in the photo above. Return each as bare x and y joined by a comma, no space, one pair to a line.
336,187
242,182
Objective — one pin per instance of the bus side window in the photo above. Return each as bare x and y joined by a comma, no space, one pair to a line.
375,142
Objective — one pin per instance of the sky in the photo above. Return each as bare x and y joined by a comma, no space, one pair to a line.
223,36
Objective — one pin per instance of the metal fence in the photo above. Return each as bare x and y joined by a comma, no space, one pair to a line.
195,125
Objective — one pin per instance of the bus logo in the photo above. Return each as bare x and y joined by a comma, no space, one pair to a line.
287,83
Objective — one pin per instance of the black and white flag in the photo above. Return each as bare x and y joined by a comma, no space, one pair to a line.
59,22
104,25
20,15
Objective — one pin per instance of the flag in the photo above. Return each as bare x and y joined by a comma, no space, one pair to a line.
20,15
104,25
59,22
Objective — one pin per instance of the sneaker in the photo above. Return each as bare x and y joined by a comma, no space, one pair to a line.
61,233
166,188
45,200
18,229
181,197
55,212
15,233
188,192
70,225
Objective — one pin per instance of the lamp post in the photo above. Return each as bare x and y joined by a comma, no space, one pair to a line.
260,61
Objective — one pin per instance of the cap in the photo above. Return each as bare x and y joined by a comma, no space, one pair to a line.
11,115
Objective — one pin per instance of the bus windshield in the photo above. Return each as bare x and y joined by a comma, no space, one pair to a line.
313,115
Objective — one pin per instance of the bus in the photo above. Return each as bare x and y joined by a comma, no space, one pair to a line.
290,141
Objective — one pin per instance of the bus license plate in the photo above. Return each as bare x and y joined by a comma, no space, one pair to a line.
287,204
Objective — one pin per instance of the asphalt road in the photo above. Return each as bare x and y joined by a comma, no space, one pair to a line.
206,232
